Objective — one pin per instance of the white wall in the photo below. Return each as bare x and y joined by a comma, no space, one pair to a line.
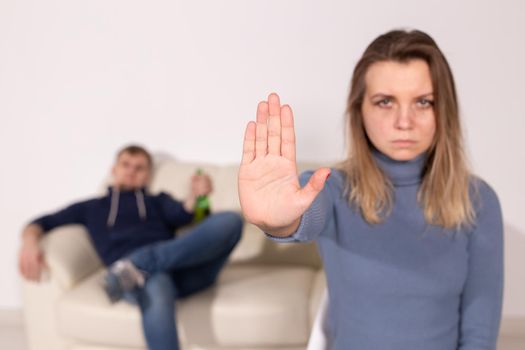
78,79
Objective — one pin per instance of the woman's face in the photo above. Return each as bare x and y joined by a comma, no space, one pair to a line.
398,108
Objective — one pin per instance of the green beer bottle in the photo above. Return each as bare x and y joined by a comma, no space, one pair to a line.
202,205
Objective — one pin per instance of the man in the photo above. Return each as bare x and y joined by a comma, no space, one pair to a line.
132,232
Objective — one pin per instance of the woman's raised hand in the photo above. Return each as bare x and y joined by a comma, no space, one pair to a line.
269,190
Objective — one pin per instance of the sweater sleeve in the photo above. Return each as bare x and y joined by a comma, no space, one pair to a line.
314,219
73,214
482,296
173,211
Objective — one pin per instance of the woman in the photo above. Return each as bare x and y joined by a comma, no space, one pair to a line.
411,241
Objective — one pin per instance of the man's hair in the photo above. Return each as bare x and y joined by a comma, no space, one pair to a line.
136,150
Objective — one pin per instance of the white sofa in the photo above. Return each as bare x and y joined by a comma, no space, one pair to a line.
266,296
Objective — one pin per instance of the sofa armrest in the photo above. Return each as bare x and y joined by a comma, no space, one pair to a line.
69,254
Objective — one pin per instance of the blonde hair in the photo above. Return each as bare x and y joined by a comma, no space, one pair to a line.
444,192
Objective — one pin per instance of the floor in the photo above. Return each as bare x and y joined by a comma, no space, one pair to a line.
12,334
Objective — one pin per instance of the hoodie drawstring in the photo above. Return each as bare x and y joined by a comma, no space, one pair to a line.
141,204
113,211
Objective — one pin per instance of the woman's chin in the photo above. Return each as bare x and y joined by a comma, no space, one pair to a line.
403,154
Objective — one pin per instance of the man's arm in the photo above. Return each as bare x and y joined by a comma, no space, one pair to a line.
31,256
177,213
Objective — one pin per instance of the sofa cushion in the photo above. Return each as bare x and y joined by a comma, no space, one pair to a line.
249,306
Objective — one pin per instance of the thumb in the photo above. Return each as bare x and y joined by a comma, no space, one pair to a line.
315,185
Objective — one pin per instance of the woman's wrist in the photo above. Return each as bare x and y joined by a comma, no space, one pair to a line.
282,231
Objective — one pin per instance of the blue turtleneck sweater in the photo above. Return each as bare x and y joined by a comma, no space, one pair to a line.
404,284
122,221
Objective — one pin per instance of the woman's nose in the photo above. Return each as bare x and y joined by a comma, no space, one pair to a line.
404,118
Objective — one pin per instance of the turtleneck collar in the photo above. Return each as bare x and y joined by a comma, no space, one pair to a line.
401,173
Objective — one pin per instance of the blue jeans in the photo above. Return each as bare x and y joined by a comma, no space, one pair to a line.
179,268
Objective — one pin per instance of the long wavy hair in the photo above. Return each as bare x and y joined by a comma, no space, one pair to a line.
444,191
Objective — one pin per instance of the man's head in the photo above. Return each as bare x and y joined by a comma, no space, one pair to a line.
132,168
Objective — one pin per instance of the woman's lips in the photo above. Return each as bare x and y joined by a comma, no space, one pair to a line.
403,143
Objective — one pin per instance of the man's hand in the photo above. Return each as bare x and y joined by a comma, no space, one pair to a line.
31,258
201,185
269,190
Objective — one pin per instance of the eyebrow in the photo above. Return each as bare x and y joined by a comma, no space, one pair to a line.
430,94
382,95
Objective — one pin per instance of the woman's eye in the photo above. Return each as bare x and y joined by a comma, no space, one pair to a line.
425,103
385,102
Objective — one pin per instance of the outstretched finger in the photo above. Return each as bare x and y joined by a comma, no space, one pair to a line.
274,135
287,133
274,125
274,104
248,151
261,132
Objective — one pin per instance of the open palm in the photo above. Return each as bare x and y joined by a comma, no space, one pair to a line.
269,190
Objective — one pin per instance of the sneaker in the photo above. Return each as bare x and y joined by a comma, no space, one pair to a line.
122,277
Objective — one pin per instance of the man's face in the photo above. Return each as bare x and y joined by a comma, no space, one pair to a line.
131,171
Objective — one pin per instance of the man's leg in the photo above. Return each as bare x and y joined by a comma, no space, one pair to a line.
194,279
157,300
212,239
157,305
209,242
